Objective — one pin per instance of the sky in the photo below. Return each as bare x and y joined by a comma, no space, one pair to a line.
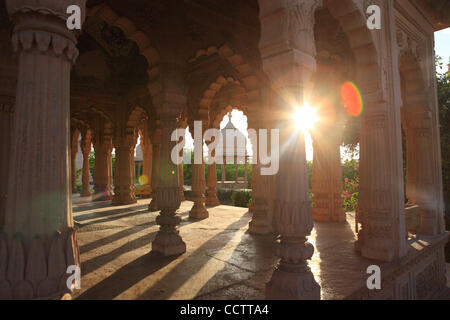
442,48
442,41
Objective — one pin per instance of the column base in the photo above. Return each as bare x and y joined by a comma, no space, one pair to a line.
328,218
182,197
198,211
428,223
102,195
122,200
168,244
85,194
381,253
292,285
47,279
153,206
212,202
260,223
259,227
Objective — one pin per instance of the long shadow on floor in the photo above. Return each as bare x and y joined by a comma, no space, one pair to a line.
111,212
246,271
126,277
114,218
188,266
97,262
114,237
340,266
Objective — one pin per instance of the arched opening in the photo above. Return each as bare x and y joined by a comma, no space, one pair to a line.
422,202
335,69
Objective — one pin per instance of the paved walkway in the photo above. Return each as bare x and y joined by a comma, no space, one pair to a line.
223,261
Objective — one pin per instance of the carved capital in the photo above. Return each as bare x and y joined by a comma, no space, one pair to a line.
41,25
287,25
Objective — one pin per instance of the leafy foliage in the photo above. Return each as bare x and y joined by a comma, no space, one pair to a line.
241,198
443,86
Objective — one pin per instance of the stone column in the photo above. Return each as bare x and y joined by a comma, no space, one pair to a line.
39,241
211,197
86,174
198,211
181,181
246,172
123,174
6,122
224,172
168,241
327,183
381,196
73,154
102,171
153,206
236,167
147,153
252,185
260,223
288,60
417,123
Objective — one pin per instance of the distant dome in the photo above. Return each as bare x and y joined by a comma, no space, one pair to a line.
225,149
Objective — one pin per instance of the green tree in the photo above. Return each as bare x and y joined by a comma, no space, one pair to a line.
443,86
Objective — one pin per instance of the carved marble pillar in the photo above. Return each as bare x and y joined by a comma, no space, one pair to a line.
224,172
288,49
420,174
246,172
260,223
86,146
73,164
168,241
381,201
102,171
153,206
211,196
39,241
6,122
327,183
252,184
147,153
123,173
181,180
198,210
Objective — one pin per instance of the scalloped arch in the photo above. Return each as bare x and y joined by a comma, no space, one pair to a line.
223,112
246,72
135,115
412,83
107,14
354,24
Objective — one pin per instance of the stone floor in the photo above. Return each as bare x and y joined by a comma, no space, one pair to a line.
223,261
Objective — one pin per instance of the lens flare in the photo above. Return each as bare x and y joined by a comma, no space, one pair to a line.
352,99
305,117
143,180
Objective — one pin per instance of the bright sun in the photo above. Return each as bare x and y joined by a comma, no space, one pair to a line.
305,117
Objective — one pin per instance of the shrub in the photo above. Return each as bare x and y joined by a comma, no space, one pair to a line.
242,198
224,196
351,185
